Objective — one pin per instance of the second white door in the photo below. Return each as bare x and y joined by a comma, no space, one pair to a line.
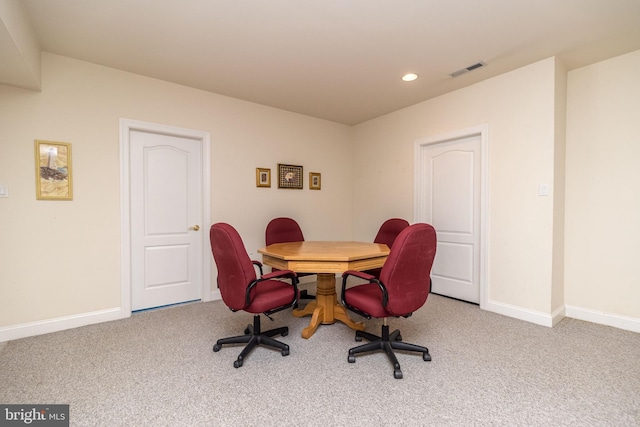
450,201
166,219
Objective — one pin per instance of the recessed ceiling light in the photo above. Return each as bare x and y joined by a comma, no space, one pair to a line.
409,77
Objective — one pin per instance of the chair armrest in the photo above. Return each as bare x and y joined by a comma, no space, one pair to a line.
345,276
360,274
257,264
371,279
273,275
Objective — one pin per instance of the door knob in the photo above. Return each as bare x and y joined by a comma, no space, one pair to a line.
195,228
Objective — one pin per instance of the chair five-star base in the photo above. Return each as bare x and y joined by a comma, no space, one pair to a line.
253,338
387,343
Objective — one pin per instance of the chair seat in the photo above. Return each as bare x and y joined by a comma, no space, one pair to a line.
367,298
269,294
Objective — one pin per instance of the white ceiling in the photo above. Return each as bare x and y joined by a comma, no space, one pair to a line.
339,60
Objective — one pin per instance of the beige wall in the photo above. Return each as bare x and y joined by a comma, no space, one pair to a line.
63,258
519,109
603,187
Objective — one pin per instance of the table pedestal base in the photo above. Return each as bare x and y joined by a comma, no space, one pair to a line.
326,309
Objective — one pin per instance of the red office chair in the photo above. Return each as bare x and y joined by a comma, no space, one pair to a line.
403,288
282,230
242,290
387,234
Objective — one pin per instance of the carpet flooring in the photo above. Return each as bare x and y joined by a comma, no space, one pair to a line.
157,368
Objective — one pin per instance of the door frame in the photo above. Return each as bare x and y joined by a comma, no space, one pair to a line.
420,144
126,127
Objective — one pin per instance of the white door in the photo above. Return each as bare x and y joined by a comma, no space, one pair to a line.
450,199
166,219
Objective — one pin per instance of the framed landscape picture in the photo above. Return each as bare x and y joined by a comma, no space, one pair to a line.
53,171
289,176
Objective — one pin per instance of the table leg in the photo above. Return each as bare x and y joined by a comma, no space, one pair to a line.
325,309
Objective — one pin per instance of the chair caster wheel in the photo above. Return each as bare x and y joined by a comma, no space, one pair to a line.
237,363
285,352
284,334
247,331
399,337
358,338
426,357
216,348
397,375
351,359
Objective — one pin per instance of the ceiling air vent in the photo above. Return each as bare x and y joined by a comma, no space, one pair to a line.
469,68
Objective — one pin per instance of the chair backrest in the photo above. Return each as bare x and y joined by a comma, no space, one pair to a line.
282,230
407,270
235,269
389,230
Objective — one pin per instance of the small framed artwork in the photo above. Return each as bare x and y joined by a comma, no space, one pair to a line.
314,181
263,177
289,176
53,171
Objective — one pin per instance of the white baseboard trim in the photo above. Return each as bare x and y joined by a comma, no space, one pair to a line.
550,320
9,333
558,315
14,332
215,295
617,321
24,330
532,316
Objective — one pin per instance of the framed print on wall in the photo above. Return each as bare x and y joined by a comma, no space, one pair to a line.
263,177
53,171
314,181
289,176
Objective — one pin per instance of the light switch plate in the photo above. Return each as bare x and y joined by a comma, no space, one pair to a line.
544,190
4,190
